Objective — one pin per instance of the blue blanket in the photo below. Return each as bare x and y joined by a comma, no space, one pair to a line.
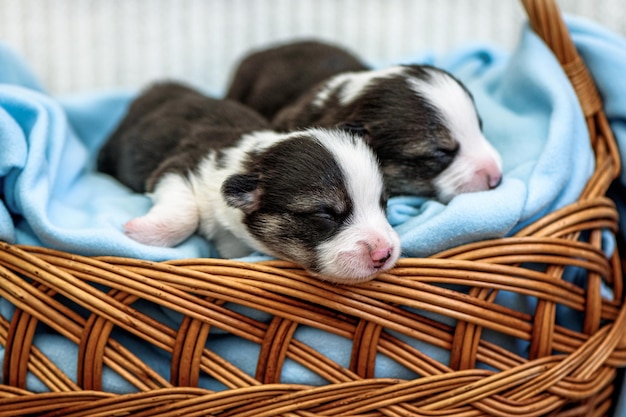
54,197
51,194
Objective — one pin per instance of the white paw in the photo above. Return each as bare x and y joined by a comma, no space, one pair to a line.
173,217
153,232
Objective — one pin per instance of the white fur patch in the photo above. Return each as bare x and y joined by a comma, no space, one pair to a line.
477,166
352,84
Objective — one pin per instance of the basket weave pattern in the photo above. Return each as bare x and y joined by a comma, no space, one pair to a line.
567,373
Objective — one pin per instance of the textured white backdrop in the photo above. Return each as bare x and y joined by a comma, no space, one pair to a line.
81,45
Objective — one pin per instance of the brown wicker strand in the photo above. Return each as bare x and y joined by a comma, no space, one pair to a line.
39,364
187,352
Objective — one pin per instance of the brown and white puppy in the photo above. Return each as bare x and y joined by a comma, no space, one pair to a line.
314,197
269,79
420,121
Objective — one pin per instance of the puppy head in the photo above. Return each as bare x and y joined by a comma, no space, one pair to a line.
317,198
421,122
476,165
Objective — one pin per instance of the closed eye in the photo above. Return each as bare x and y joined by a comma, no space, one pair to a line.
324,216
446,153
383,202
327,213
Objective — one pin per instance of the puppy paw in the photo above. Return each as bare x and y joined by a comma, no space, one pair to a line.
156,231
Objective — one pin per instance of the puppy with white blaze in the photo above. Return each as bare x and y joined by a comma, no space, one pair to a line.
420,121
314,197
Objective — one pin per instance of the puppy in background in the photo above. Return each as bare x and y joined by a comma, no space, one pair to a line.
420,121
314,197
268,80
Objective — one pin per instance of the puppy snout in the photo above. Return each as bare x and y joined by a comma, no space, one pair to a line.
380,256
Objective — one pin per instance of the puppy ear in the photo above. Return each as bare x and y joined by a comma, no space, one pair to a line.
242,191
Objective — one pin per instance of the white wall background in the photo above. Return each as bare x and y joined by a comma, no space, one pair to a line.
81,45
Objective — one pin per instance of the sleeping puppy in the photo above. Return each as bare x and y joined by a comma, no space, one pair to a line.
314,197
420,121
267,80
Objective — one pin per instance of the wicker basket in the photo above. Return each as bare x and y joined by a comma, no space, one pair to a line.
567,373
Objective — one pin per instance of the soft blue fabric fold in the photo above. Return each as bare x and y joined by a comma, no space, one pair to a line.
52,196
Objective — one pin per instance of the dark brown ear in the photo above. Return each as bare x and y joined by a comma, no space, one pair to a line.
242,191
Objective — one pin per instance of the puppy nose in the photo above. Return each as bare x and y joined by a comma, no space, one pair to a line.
380,256
494,180
491,174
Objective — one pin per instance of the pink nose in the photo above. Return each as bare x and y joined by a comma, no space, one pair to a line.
380,256
491,174
494,180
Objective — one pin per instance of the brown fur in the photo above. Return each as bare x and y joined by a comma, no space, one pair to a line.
270,79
